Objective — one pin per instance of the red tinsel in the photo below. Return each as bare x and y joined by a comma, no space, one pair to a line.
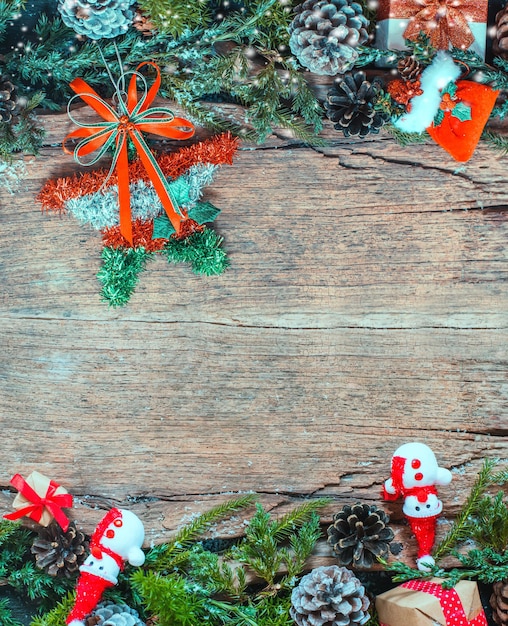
217,151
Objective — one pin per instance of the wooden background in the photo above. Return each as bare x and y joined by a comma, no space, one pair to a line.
365,306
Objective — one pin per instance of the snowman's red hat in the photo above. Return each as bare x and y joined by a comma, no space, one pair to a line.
89,591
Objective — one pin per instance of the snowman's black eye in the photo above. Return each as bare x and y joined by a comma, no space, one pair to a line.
428,506
417,508
91,563
101,567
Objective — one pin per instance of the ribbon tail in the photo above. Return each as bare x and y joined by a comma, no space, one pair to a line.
159,181
60,517
21,513
124,194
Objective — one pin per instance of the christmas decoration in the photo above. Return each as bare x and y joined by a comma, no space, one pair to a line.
60,553
8,99
93,199
500,40
40,499
110,614
97,19
448,23
409,68
414,475
118,538
329,596
427,603
359,534
132,118
325,33
350,104
499,602
454,113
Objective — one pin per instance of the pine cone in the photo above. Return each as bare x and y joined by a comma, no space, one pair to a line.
110,614
359,534
97,18
324,34
8,99
500,42
143,24
60,553
329,596
409,68
499,602
350,105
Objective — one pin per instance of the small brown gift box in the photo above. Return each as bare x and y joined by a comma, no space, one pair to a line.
40,499
426,603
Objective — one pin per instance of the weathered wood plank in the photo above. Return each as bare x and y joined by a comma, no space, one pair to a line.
365,306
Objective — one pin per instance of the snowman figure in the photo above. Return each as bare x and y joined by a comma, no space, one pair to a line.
415,474
117,539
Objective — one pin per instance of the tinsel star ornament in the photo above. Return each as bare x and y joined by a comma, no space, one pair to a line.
454,112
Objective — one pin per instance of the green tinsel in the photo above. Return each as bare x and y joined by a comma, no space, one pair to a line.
120,272
203,250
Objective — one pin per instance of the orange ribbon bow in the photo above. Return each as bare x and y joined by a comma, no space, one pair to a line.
51,501
132,119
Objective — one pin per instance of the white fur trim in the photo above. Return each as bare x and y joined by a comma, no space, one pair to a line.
434,78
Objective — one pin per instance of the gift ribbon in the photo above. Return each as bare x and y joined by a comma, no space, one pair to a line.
450,602
51,501
445,22
132,119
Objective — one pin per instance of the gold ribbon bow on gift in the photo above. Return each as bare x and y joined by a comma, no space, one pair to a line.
445,22
130,121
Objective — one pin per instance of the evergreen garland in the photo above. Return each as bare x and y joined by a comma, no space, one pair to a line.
184,584
210,60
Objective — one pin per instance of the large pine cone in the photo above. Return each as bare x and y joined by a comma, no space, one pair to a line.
60,553
97,19
500,42
110,614
329,596
499,602
350,105
325,33
359,534
8,99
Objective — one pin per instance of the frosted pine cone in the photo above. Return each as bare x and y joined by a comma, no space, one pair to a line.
350,105
329,596
359,534
325,33
109,614
97,19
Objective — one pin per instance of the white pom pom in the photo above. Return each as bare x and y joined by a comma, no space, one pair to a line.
424,563
136,556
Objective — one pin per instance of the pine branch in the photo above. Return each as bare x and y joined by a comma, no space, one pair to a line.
460,530
6,618
168,557
496,141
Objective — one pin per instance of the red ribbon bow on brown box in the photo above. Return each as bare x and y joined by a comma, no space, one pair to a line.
40,499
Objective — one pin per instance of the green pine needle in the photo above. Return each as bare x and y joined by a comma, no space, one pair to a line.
177,551
461,528
120,272
203,250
